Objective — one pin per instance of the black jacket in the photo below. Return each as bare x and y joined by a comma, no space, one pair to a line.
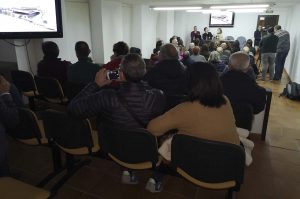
168,76
241,89
145,102
268,44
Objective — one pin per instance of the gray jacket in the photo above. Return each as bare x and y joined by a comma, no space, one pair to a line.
284,41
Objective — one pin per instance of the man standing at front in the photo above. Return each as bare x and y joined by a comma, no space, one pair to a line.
283,48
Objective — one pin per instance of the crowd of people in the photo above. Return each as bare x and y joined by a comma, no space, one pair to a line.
180,91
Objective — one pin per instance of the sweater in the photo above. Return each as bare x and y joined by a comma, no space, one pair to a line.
268,44
284,41
194,119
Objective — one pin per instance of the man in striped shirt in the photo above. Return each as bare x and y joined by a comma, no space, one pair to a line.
283,48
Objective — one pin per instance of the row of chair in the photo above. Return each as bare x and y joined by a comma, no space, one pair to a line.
208,164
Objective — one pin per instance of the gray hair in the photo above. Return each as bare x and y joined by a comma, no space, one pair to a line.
239,61
168,51
133,67
214,56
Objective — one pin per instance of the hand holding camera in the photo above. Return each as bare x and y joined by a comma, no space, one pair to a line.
101,78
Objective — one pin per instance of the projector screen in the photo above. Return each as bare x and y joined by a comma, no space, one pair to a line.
221,19
30,19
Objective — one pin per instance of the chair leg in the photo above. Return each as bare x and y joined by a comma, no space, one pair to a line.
229,194
72,167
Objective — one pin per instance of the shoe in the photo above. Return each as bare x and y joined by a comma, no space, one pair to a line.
153,186
129,178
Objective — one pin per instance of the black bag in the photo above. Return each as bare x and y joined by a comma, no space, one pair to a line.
292,91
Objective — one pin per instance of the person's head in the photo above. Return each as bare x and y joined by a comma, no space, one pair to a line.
212,46
259,28
173,38
196,50
214,56
246,49
271,30
220,50
135,51
239,61
132,68
174,41
206,29
168,52
197,42
159,43
277,27
195,28
204,85
82,49
180,41
191,45
186,54
219,31
204,48
249,43
50,49
224,46
120,48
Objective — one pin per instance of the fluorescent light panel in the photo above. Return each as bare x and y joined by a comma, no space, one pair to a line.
177,8
204,11
240,6
247,10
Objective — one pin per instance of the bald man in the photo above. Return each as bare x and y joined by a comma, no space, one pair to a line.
168,74
239,87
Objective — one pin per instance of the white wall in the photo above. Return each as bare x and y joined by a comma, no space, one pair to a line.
292,64
7,52
165,25
244,23
126,22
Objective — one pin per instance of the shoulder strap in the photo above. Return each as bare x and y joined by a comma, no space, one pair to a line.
133,115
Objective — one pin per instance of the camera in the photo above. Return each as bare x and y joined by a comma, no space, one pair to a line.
113,75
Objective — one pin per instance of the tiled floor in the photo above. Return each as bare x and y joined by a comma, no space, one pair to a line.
274,174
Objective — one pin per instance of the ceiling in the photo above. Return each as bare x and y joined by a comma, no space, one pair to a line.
208,2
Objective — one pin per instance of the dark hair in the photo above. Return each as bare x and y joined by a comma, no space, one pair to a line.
120,48
159,43
271,30
135,50
249,42
212,46
204,29
204,85
197,42
204,48
82,49
180,41
277,27
50,49
235,46
171,39
133,67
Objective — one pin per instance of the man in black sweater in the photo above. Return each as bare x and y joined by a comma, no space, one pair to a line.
239,87
268,47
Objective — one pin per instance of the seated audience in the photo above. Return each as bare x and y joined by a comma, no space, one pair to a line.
191,46
235,46
120,49
198,42
186,60
206,105
226,50
154,56
204,51
51,65
144,102
219,35
135,50
252,60
224,57
212,46
214,59
168,74
83,71
9,118
249,44
239,87
196,57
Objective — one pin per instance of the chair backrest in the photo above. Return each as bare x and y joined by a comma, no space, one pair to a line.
67,131
243,114
72,89
128,145
208,161
229,38
30,129
49,87
242,41
23,80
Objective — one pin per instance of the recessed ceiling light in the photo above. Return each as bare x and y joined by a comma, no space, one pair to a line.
177,8
241,6
247,10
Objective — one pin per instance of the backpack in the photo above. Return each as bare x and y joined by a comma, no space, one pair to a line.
292,91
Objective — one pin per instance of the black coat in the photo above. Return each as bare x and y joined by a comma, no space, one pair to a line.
168,76
241,89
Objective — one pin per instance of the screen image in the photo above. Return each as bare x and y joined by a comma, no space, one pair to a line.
25,18
221,19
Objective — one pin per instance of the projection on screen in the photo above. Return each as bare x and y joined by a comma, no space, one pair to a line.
221,19
29,16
